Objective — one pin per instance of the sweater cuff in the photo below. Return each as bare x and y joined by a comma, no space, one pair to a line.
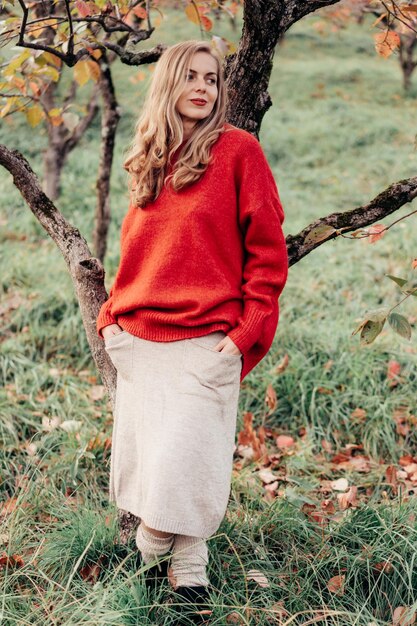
104,319
247,332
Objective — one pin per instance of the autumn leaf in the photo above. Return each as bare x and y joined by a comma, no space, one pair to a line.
34,115
258,577
266,475
393,372
376,232
336,584
386,43
403,617
341,484
282,365
271,398
284,441
12,561
81,72
358,414
348,499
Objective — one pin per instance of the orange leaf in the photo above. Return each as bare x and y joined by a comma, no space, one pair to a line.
402,617
335,584
282,365
14,560
140,12
386,43
206,23
271,398
393,372
348,499
376,231
284,441
359,414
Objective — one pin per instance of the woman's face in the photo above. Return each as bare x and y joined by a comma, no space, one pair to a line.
201,85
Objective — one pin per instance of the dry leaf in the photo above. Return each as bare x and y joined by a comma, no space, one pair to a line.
336,584
403,617
271,398
97,392
341,484
284,441
282,365
266,475
258,577
348,499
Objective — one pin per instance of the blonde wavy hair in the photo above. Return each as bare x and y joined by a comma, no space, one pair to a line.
159,130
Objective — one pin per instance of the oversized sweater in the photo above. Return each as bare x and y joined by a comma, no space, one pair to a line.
211,256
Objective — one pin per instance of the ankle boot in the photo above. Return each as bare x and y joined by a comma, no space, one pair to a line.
156,574
195,608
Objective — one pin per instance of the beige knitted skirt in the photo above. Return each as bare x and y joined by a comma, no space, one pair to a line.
174,431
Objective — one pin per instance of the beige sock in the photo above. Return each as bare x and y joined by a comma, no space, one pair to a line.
188,562
151,546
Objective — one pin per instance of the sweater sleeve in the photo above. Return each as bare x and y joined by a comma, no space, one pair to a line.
105,316
266,261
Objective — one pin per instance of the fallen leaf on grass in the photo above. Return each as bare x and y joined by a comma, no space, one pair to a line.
284,441
97,392
235,618
271,398
403,617
393,373
12,561
384,566
341,484
348,499
258,577
358,414
266,475
249,437
336,584
282,365
391,477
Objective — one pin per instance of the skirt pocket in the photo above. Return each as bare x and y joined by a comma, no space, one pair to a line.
205,367
120,350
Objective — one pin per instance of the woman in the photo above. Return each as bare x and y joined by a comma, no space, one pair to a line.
193,308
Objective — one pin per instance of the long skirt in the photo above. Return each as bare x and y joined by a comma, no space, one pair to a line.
174,431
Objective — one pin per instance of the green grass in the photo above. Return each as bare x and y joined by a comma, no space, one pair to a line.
340,130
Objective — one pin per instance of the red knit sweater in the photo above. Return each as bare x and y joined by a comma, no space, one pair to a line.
209,257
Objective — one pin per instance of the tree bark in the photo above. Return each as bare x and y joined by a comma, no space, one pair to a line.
109,121
87,273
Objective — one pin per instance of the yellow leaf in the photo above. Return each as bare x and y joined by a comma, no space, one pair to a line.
94,70
192,13
5,110
386,43
54,112
34,115
52,59
81,72
48,71
16,63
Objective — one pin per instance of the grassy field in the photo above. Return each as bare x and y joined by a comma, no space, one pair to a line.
333,529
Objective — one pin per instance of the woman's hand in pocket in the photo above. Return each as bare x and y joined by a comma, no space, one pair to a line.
110,330
227,346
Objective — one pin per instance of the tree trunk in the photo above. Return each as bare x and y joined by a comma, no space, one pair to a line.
109,121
